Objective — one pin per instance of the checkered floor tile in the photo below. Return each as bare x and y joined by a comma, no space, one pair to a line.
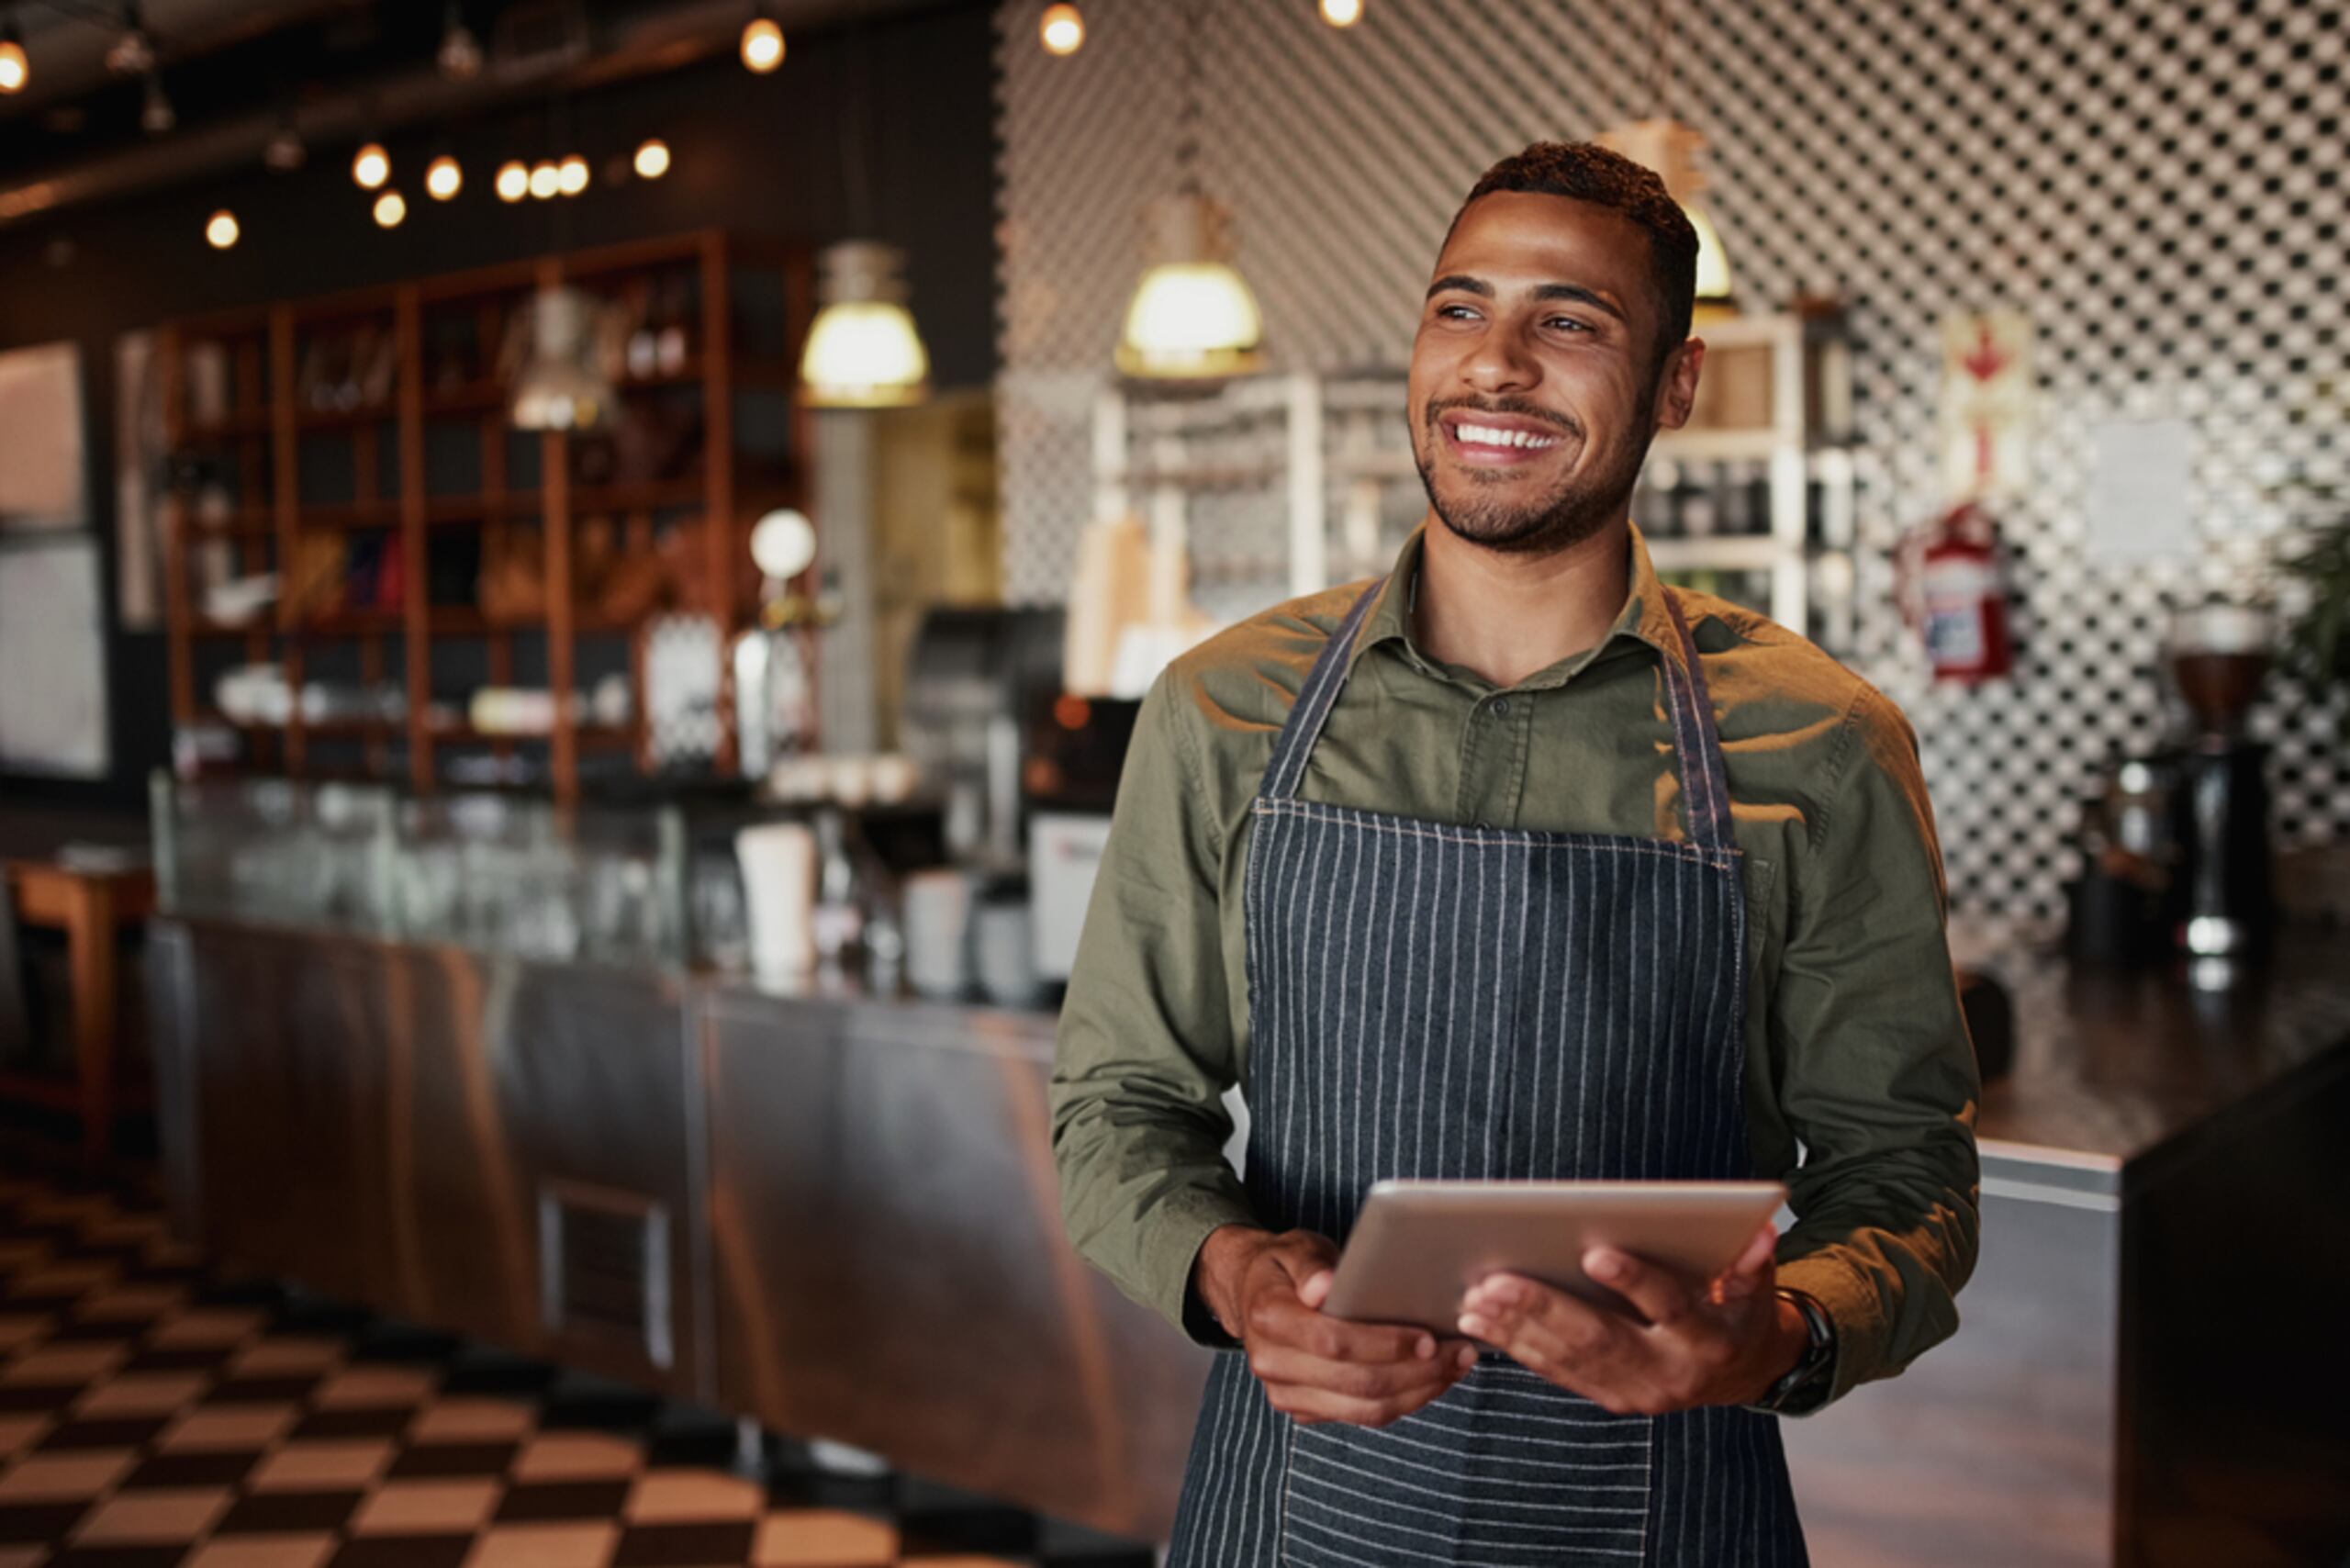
153,1414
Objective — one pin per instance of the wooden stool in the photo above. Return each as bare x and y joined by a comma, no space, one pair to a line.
91,907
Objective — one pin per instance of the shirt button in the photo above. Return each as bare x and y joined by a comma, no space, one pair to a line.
1501,707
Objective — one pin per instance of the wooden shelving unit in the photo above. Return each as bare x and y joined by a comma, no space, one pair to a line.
317,440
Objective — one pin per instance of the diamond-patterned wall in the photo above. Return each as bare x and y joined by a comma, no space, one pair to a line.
2156,183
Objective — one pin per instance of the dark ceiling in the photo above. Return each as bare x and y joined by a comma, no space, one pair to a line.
339,70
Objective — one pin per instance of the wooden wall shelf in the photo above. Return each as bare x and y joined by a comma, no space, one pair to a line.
368,488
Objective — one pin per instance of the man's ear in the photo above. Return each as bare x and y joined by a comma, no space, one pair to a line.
1677,391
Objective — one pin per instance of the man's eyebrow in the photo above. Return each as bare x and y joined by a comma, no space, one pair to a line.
1462,282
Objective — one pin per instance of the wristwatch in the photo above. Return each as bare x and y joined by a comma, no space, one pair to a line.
1804,1386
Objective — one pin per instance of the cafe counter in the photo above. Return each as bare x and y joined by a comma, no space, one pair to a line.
836,1213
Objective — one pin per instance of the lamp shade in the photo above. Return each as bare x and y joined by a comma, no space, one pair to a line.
1713,262
560,387
1193,317
863,351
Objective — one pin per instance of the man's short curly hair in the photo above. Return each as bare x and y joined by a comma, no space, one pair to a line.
1584,171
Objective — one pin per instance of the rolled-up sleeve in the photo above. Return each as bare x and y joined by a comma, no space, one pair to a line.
1877,1076
1146,1049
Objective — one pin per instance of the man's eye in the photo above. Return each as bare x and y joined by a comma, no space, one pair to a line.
1456,312
1571,323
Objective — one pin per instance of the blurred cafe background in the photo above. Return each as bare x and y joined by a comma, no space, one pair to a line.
575,575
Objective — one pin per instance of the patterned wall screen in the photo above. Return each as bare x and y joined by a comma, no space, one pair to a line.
2156,183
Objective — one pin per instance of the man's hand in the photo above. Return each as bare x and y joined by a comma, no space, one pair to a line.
1723,1341
1266,1290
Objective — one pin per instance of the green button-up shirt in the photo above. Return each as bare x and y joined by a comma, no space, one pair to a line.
1860,1083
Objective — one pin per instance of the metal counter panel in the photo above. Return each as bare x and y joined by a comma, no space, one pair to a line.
889,1268
428,1104
1997,1446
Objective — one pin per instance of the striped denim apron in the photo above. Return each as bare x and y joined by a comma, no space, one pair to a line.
1434,1001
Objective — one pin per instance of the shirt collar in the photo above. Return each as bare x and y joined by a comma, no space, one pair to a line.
1645,617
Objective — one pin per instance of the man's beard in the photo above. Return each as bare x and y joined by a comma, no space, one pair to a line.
1574,511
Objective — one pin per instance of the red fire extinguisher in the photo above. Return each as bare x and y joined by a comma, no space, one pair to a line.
1956,595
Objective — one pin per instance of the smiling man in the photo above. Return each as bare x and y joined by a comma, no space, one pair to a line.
1517,863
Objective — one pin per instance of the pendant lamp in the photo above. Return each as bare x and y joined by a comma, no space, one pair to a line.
1670,148
562,387
1194,317
863,351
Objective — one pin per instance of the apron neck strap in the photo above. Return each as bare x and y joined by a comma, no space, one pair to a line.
1312,709
1705,779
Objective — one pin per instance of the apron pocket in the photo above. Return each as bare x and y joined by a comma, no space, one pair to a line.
1505,1471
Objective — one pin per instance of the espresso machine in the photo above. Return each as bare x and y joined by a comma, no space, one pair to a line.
2218,654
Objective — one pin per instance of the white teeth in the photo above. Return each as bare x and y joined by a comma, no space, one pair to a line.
1483,435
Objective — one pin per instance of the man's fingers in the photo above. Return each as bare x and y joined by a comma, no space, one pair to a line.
1657,1293
1316,1289
1504,1308
1755,1270
1287,1365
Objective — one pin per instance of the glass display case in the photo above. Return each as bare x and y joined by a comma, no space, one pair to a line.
497,873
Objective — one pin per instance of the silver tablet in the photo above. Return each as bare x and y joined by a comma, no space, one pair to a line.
1420,1245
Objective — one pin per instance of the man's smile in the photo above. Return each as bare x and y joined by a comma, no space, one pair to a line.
1477,439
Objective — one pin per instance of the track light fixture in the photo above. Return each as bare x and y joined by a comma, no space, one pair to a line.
284,151
460,56
132,53
156,114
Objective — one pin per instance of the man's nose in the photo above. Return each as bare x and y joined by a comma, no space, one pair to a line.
1500,363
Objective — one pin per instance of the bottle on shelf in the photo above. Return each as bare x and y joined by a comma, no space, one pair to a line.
838,919
1696,503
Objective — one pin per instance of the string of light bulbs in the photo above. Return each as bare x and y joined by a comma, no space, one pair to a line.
1061,28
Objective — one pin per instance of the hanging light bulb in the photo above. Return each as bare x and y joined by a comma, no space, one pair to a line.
546,180
443,178
1342,13
513,180
762,43
391,210
1062,30
653,159
561,385
14,69
132,53
1193,317
863,351
460,54
156,114
284,152
220,229
1670,148
571,176
370,167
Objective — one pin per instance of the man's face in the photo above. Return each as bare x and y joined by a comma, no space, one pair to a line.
1534,385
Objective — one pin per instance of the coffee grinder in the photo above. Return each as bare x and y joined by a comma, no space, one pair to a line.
2218,654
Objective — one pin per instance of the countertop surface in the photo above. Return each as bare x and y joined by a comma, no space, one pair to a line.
2112,1064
